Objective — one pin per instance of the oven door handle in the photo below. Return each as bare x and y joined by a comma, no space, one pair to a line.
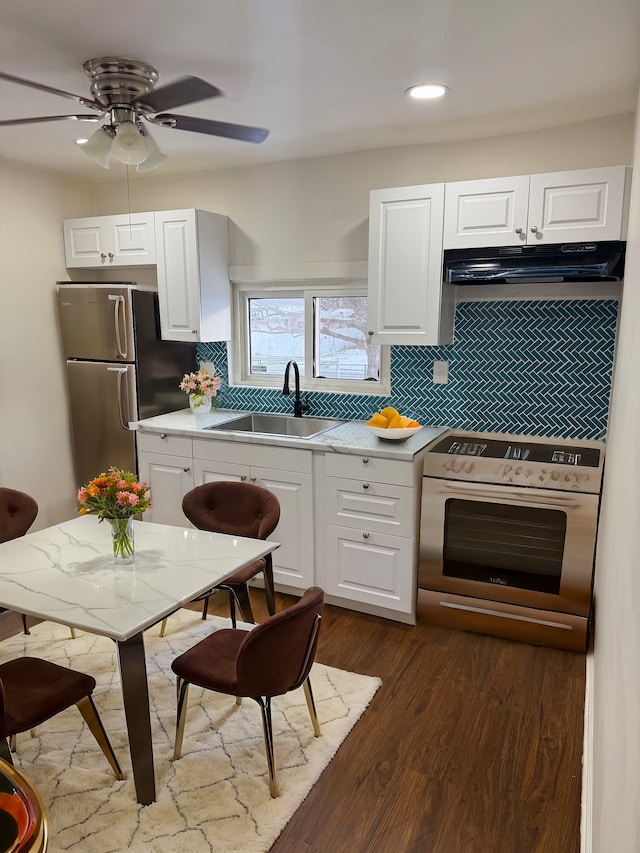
513,495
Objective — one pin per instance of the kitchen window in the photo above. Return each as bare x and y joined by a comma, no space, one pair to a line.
322,327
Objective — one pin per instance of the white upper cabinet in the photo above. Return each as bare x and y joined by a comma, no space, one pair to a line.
557,207
124,240
193,275
405,301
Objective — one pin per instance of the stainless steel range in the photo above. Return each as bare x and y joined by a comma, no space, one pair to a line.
508,535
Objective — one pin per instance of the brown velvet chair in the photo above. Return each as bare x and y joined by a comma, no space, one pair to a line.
18,511
241,509
270,660
33,690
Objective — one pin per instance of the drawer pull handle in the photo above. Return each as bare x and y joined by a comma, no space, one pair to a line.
365,535
365,485
365,460
163,435
253,479
186,470
243,477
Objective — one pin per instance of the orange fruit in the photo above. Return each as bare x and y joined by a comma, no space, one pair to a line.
378,420
389,413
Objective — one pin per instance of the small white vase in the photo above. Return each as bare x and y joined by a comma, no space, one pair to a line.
199,404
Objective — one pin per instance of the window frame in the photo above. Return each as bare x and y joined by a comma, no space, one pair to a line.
239,350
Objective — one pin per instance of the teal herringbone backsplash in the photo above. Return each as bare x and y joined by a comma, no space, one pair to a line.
539,367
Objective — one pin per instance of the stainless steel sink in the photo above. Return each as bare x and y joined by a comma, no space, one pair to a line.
278,425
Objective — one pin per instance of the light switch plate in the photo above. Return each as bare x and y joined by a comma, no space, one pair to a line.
440,372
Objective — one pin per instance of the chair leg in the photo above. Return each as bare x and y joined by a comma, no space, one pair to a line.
5,751
311,705
91,718
163,626
73,633
205,607
25,629
268,584
13,742
242,596
267,726
183,695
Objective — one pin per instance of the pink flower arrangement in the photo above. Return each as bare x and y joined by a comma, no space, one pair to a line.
113,495
201,383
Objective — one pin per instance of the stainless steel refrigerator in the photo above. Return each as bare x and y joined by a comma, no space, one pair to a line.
118,370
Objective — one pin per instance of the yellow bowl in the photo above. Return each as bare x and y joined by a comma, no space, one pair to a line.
393,434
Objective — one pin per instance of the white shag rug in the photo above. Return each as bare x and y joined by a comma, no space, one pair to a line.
215,799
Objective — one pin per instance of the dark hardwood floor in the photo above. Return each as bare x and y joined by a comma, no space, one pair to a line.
472,744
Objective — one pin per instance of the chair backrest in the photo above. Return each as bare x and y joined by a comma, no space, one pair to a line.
277,655
18,511
241,509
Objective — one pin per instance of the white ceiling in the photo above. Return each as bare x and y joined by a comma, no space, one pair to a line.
325,76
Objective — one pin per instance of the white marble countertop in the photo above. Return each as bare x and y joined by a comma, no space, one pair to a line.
67,573
346,436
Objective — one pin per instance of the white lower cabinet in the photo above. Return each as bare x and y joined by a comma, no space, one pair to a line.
348,522
371,568
369,557
291,481
165,462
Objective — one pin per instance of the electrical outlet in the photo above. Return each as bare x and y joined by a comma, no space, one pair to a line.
440,372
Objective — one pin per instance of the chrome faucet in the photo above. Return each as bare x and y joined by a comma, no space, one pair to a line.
298,406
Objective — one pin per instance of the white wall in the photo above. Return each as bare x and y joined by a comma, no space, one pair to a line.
281,213
614,697
305,211
34,430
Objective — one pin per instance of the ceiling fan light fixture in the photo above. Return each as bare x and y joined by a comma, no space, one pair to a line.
129,146
155,156
97,147
427,91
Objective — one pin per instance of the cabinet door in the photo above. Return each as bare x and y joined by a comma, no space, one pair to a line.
193,278
585,204
85,242
169,478
205,471
405,266
110,241
132,239
293,561
489,212
372,568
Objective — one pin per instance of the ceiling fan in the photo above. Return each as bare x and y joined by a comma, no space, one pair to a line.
124,92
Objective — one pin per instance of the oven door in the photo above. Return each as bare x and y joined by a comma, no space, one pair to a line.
532,547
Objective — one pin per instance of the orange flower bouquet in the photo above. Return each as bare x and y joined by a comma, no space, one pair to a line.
116,496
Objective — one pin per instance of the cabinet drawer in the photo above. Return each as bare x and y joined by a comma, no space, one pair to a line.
367,505
370,568
162,442
360,466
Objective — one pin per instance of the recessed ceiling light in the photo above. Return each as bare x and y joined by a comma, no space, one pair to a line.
425,91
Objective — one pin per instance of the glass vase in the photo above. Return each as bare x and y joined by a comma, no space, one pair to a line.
122,539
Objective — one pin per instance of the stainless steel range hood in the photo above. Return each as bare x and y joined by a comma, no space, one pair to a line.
561,262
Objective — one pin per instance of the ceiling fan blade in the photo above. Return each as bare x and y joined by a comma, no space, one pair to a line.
86,102
188,90
214,128
12,121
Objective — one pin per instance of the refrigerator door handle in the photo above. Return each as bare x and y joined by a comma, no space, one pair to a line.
122,372
118,317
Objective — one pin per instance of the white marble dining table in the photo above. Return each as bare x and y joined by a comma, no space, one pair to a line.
67,574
